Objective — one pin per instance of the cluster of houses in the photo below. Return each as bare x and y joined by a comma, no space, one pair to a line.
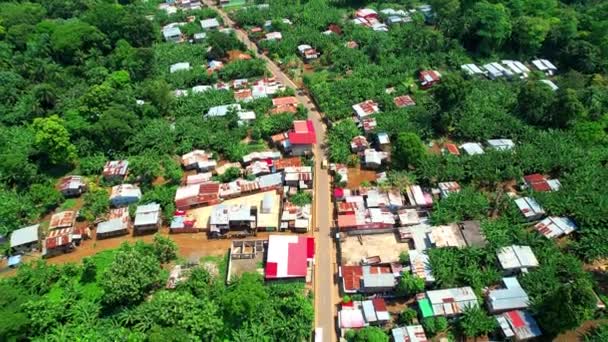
255,200
511,69
172,6
369,17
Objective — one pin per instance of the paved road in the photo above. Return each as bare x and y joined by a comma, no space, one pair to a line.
326,291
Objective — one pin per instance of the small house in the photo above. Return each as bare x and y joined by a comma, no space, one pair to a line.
516,68
540,183
198,160
72,186
147,218
511,297
199,89
421,265
447,188
451,149
210,24
307,52
221,111
58,241
518,325
472,234
501,144
182,66
551,85
25,239
368,279
554,227
286,104
116,225
418,198
365,109
214,65
428,78
531,210
274,36
172,34
369,124
447,302
545,66
199,37
514,259
359,144
410,333
124,194
199,178
404,101
472,148
471,69
373,159
493,72
268,156
384,142
64,219
115,170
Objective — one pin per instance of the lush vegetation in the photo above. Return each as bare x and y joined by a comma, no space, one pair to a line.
119,295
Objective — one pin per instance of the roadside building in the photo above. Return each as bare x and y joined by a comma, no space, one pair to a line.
446,302
514,259
418,198
428,78
273,181
519,325
115,170
298,177
359,314
289,257
147,218
531,210
72,186
124,194
555,227
410,333
116,225
25,239
225,218
259,167
198,160
221,111
58,241
302,137
197,194
271,156
368,279
365,108
199,178
286,104
511,297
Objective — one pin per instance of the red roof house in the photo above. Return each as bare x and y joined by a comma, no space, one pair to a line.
404,101
197,194
452,149
302,137
284,104
289,256
428,78
540,183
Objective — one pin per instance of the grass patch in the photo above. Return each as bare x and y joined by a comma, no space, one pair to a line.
68,204
221,262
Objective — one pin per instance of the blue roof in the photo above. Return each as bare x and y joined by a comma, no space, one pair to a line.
14,260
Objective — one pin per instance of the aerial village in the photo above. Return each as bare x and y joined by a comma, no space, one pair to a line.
410,194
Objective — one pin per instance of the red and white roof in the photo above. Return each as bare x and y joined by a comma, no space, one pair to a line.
303,133
288,256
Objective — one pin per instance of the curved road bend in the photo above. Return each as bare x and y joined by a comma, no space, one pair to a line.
326,290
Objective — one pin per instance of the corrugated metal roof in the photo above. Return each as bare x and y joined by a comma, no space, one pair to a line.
25,235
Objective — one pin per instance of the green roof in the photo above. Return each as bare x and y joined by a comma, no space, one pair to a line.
425,308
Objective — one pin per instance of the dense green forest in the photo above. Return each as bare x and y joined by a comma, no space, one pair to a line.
119,295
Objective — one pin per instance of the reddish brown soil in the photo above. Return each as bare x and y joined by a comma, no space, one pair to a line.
356,176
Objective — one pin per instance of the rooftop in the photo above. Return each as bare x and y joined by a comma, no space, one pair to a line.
303,133
24,235
62,220
147,214
288,256
511,297
516,257
554,226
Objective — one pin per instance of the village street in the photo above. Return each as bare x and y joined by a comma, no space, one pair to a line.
326,290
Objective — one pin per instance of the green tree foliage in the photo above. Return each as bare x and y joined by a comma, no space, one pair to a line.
597,334
45,196
490,24
53,140
133,273
468,204
407,316
473,267
164,248
410,285
435,325
408,150
367,334
96,203
476,322
301,198
338,140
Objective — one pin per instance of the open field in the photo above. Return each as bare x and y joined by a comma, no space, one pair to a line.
385,246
